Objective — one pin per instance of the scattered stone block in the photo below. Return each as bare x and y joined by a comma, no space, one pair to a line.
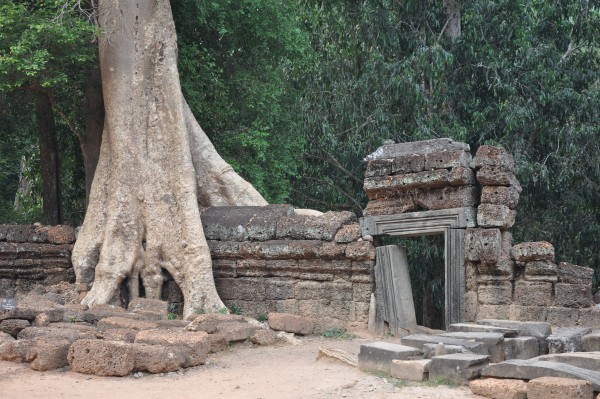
236,331
152,307
573,295
493,341
490,215
157,358
500,195
123,322
584,360
533,251
567,339
196,345
419,341
291,323
41,320
539,330
483,245
488,155
46,353
591,342
58,332
379,355
13,326
521,348
470,327
528,293
462,366
559,388
411,370
531,369
495,293
431,350
210,321
496,388
573,274
119,334
264,337
31,306
104,358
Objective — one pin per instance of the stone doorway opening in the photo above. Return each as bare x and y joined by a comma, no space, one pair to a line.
451,223
425,260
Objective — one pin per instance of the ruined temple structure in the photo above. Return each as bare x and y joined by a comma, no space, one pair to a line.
330,268
437,187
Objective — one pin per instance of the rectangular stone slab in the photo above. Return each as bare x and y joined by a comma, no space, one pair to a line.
567,339
419,341
379,355
493,341
463,365
538,329
521,348
411,370
584,360
468,327
530,369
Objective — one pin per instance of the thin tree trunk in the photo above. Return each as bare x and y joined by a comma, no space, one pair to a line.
155,165
94,124
453,28
49,163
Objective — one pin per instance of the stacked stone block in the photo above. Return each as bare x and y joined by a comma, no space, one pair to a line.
34,255
268,259
425,175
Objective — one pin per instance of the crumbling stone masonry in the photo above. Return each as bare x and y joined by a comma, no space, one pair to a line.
500,280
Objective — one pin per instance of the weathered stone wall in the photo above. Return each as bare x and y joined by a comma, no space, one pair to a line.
502,280
265,259
34,255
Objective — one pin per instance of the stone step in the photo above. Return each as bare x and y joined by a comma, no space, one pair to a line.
538,329
521,348
379,355
567,339
419,341
493,341
584,360
470,327
531,369
462,366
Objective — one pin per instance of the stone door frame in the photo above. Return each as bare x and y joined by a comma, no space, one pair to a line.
449,222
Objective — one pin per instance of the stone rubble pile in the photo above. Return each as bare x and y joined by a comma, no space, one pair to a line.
494,357
112,341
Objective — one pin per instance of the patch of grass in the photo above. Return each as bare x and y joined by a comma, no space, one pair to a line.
262,317
235,309
339,333
224,310
171,316
74,319
451,381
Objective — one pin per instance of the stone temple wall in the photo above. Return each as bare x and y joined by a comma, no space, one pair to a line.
502,280
265,259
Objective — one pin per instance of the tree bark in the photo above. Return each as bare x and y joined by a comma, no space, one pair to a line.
49,163
453,28
155,166
94,124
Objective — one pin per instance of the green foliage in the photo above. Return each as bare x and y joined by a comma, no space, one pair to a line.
239,63
262,318
236,309
171,316
338,333
224,310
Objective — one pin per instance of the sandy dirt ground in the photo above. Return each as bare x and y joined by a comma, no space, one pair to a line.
240,372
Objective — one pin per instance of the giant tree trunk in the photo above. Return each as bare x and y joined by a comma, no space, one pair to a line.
156,165
51,203
94,125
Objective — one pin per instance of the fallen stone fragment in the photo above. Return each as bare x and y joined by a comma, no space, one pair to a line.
123,322
197,345
41,320
338,354
264,337
462,366
521,348
46,353
236,331
13,326
119,334
493,341
379,355
210,321
559,388
157,358
291,323
531,369
104,358
411,370
584,360
495,388
567,339
470,327
419,341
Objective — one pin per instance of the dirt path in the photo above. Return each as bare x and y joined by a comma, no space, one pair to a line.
240,372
